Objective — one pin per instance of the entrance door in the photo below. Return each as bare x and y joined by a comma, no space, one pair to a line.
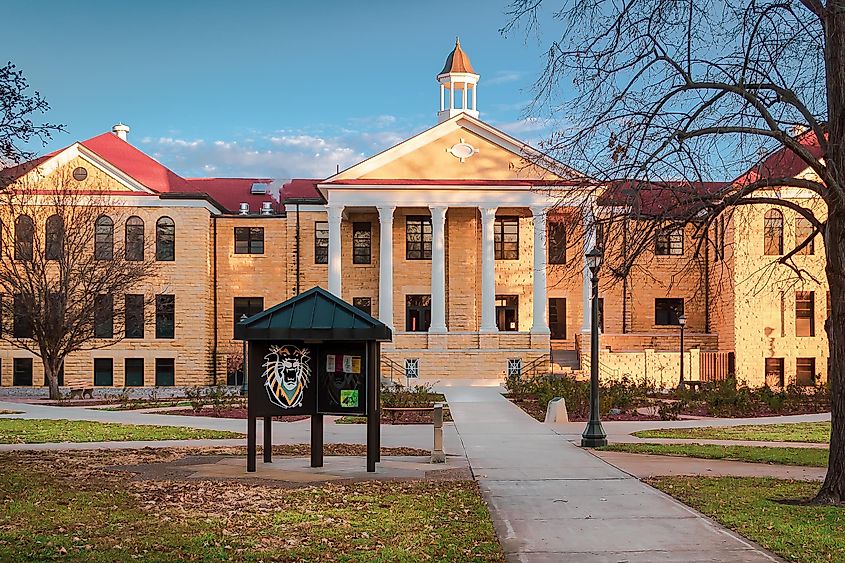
557,318
507,312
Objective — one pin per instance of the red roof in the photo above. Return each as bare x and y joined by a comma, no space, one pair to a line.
231,192
301,188
784,162
142,168
660,199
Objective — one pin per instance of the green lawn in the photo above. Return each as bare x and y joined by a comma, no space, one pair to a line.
96,514
749,506
37,431
811,457
815,432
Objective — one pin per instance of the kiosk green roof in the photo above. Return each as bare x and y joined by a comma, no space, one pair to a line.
314,315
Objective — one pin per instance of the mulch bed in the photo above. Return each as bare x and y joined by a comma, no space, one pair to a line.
234,412
754,412
533,407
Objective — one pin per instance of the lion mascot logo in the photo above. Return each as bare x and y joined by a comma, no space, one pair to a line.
286,375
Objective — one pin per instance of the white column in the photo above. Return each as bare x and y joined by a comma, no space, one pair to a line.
442,97
540,325
589,243
438,270
488,271
452,95
474,88
385,281
335,213
464,93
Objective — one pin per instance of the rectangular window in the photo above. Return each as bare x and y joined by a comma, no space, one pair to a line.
507,313
165,372
22,321
104,316
506,238
805,371
133,372
556,236
803,230
321,242
134,321
418,238
363,303
103,372
22,371
669,242
774,372
249,240
668,311
165,316
417,313
805,321
245,307
362,239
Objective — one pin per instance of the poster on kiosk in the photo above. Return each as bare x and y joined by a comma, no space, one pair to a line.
297,378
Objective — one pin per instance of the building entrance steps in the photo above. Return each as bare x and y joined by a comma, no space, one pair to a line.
552,501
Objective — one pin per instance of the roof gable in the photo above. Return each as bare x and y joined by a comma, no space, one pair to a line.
436,154
315,315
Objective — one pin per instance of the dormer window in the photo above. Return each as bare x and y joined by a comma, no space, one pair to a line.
258,188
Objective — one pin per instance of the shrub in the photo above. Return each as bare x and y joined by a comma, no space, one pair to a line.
196,398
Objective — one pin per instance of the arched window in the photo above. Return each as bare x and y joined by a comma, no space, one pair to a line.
803,229
24,237
54,235
104,238
135,239
165,239
773,233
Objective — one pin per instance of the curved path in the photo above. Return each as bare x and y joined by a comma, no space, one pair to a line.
552,501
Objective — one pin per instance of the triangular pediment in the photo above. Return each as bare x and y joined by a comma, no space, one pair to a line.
462,148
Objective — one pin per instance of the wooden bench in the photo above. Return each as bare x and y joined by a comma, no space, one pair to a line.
80,391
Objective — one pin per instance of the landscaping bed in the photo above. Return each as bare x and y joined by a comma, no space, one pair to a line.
770,512
228,412
807,457
98,513
38,431
624,399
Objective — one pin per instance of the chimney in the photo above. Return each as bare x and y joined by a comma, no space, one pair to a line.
267,208
244,209
121,131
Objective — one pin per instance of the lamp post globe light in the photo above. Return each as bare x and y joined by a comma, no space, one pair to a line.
594,436
682,321
244,384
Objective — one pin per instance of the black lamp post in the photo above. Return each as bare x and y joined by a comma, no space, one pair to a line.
682,320
244,384
594,436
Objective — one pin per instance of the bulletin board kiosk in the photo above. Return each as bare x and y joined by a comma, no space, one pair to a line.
313,354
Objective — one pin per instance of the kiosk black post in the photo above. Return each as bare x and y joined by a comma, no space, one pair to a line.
316,440
268,439
372,409
377,390
250,443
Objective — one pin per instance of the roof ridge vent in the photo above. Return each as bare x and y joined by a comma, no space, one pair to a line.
244,209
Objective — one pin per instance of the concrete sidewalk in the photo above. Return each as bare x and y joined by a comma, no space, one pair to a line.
552,501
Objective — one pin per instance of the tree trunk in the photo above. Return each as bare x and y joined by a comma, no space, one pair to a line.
52,376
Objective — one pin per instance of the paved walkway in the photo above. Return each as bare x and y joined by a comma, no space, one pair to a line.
552,501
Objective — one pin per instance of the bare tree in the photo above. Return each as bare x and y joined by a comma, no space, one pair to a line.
17,108
63,272
656,98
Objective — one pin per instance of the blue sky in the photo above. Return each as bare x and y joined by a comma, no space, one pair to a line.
274,89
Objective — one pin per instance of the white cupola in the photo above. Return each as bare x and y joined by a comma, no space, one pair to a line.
458,83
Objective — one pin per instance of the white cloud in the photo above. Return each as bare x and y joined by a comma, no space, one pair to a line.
504,77
525,125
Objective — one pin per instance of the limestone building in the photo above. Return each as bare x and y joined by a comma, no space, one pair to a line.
454,237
